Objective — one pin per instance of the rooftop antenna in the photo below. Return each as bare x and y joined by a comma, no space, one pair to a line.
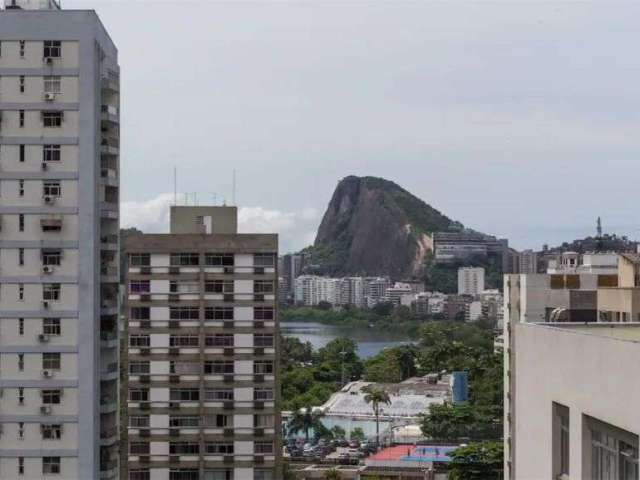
233,192
175,185
599,228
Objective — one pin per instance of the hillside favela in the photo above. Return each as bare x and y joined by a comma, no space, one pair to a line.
311,240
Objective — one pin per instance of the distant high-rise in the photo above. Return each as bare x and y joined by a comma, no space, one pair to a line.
470,280
59,141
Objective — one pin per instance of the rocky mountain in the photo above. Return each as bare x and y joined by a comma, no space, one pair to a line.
373,226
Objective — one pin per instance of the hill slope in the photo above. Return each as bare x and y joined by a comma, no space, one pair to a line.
373,226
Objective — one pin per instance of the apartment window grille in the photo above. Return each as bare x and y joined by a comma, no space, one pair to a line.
263,367
51,153
21,326
21,45
51,257
21,118
185,259
184,368
264,448
21,82
138,395
219,259
263,313
218,421
52,49
219,286
218,313
20,395
184,448
263,394
139,421
21,431
218,395
52,84
21,257
139,367
139,474
184,474
263,286
218,475
51,189
140,286
52,119
262,340
20,465
51,396
183,287
51,291
219,340
21,153
139,259
51,326
184,341
184,422
263,421
184,313
21,362
264,259
263,475
218,367
51,361
139,341
51,431
139,448
21,188
219,448
184,395
21,222
140,313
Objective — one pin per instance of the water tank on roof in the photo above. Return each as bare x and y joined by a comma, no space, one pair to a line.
459,387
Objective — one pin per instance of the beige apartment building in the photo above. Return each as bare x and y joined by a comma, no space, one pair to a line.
59,138
202,364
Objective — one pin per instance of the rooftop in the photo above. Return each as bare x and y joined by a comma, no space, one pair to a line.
411,456
619,331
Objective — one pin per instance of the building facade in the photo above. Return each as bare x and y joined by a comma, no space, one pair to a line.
470,280
59,227
202,365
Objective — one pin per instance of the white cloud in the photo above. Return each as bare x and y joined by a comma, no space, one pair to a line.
296,229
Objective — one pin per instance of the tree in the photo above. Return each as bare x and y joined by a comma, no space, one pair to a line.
322,305
383,368
453,421
333,474
357,434
477,461
376,397
304,420
338,432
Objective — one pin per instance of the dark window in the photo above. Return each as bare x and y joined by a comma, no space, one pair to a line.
218,286
262,340
218,313
22,153
184,448
263,286
140,313
184,313
264,259
219,259
50,465
51,153
52,48
219,340
139,259
52,119
184,394
263,313
185,259
218,367
139,448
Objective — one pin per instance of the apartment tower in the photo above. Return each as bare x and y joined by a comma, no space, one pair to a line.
202,366
58,244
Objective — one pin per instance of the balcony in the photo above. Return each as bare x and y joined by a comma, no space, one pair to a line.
109,146
110,372
108,339
108,404
51,223
109,242
109,114
109,274
108,436
110,84
109,469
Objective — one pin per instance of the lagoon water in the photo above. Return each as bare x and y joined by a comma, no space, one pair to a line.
370,341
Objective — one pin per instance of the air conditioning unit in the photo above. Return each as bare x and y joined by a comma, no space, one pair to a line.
43,338
49,97
48,60
47,373
47,269
49,199
45,410
45,304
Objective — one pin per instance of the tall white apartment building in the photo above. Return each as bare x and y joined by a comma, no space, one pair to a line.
58,244
470,280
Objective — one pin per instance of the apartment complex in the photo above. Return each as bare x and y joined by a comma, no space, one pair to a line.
470,280
202,333
59,229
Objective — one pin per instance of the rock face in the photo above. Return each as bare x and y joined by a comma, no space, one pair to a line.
374,227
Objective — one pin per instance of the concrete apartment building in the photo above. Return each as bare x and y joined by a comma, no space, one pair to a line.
528,261
59,139
202,365
470,281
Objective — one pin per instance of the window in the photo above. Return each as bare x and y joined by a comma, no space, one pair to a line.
184,341
141,421
263,421
51,291
263,313
21,149
140,286
184,422
21,118
185,259
52,84
218,475
184,313
560,440
51,326
21,326
21,257
263,475
219,340
21,222
218,286
263,394
264,259
184,287
51,188
614,452
139,341
140,313
20,465
184,394
265,448
52,119
262,340
51,153
139,474
218,367
263,286
218,313
139,259
51,361
219,421
219,259
219,448
21,188
218,395
184,474
21,83
52,49
51,256
184,448
139,448
20,430
21,362
51,431
21,48
51,397
139,367
138,395
21,395
261,367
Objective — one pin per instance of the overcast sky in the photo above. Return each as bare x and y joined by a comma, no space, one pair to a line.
517,119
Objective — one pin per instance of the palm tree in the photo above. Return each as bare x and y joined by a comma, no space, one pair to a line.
333,474
376,397
304,419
